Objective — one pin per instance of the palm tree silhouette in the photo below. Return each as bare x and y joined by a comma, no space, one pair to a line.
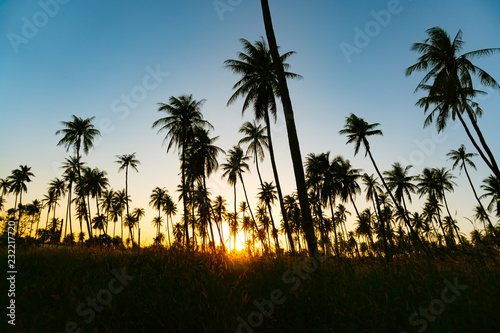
127,161
233,170
267,196
183,116
293,140
18,179
259,86
491,185
158,199
461,158
452,84
79,133
357,131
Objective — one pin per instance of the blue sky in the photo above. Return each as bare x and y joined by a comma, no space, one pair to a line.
86,57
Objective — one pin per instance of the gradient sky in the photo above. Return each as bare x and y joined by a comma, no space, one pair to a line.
87,56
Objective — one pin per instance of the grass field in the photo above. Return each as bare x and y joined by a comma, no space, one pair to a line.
159,290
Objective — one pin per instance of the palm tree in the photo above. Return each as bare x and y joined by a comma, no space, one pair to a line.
5,185
120,203
452,84
257,141
170,210
138,214
18,179
400,182
95,182
107,202
461,158
183,116
203,159
491,186
233,170
219,212
70,167
428,183
321,190
79,133
357,131
58,186
372,189
126,161
259,87
157,222
267,196
293,140
158,198
49,200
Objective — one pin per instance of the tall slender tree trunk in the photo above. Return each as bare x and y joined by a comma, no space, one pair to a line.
474,143
472,118
413,232
479,201
184,201
334,227
388,255
249,209
451,219
291,131
278,185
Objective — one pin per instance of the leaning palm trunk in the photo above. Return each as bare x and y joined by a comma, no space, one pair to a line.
472,118
278,186
184,200
291,131
416,238
381,220
479,201
250,210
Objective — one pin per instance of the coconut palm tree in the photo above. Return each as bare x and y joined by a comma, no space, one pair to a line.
5,185
106,202
127,161
293,140
183,116
158,198
357,131
255,137
491,186
400,182
18,179
451,74
267,196
319,183
79,134
70,173
170,210
219,212
120,203
203,161
138,214
461,158
157,222
428,184
234,168
259,87
372,189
